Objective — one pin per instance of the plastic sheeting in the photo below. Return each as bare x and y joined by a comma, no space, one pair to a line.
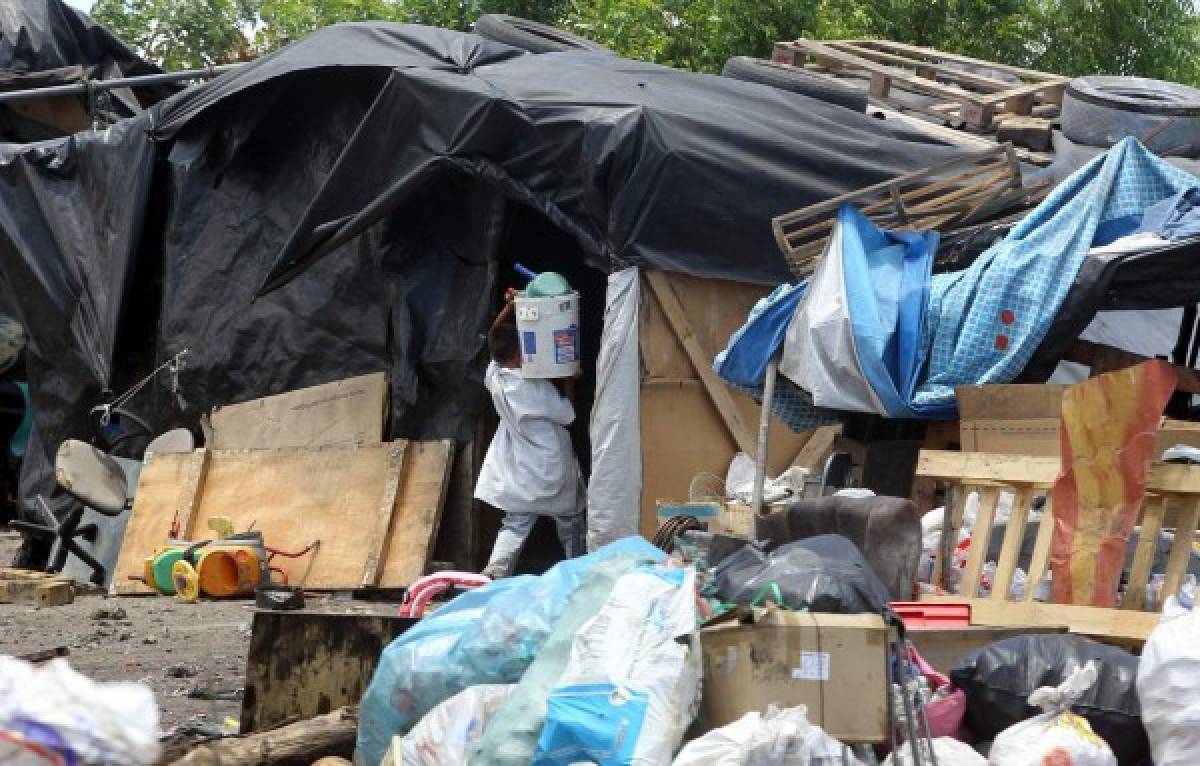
401,154
986,322
855,341
615,489
47,42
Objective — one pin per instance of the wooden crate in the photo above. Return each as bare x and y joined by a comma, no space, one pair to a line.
968,99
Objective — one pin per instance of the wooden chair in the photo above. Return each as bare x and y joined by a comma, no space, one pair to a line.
1172,500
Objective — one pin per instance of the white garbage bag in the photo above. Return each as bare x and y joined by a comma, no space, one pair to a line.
1168,686
51,715
1057,736
947,750
446,734
632,684
779,738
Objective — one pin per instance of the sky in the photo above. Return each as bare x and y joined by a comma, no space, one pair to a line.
85,5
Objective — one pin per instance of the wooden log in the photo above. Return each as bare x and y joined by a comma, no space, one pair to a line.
305,741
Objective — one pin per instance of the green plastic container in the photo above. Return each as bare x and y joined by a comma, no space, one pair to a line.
548,284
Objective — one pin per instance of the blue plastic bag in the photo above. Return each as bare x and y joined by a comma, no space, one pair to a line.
485,636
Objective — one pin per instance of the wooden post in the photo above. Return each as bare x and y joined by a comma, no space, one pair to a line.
381,535
764,432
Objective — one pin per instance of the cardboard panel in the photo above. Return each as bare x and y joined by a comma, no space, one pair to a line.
296,496
343,413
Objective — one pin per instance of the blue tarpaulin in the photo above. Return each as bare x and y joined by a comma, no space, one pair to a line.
874,332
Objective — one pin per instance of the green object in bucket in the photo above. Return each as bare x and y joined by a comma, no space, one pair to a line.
547,285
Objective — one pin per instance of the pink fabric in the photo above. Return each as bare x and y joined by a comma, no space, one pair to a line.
945,715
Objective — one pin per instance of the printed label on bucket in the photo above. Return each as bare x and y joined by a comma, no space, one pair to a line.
529,342
565,342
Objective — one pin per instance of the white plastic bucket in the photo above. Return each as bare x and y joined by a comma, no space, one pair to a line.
548,329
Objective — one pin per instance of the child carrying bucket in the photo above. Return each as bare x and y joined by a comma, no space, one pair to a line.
530,469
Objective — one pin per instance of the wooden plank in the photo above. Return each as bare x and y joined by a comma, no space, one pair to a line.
346,413
1181,548
382,532
701,361
1038,472
832,205
952,521
1143,558
296,496
981,536
192,492
1010,551
916,50
817,449
38,592
303,664
923,69
418,512
1041,551
1112,625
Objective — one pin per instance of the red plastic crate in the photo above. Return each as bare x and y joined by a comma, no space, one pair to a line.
919,615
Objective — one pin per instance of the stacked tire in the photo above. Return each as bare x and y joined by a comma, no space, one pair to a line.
532,36
1101,110
794,80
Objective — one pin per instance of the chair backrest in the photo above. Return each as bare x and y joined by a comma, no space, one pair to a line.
91,476
1172,500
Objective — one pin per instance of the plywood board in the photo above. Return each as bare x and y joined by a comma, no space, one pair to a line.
342,413
682,433
296,496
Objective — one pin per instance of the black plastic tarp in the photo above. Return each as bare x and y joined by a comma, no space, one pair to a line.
402,155
47,42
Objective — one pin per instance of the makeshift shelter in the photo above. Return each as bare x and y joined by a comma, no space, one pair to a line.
354,202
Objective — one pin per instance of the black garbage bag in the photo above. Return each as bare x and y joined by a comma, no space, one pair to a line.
999,678
826,573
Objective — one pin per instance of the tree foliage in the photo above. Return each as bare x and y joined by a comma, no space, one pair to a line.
1154,38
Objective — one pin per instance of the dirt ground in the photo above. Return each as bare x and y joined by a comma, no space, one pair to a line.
192,655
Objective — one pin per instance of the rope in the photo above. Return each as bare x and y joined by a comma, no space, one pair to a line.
175,365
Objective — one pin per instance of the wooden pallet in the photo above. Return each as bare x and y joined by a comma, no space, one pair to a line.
25,586
961,192
967,99
1173,502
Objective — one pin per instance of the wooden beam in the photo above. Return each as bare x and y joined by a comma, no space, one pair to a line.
191,491
916,50
717,391
957,137
382,534
1143,559
925,69
1129,628
1039,472
981,536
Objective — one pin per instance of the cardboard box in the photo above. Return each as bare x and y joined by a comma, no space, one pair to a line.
345,413
834,664
1024,419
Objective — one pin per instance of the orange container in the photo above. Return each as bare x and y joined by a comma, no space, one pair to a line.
229,570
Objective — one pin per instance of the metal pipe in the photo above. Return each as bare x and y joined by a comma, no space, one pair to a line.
80,88
764,429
